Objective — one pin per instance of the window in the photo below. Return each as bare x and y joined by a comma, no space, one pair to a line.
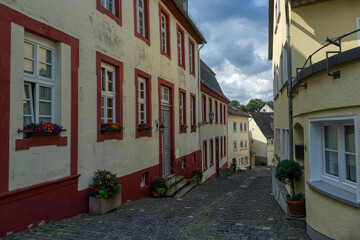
112,8
205,154
182,109
143,98
193,112
334,154
224,146
224,114
191,57
165,95
39,80
285,144
143,179
245,127
204,108
142,30
241,145
221,113
241,127
276,80
245,145
181,48
246,160
108,103
235,145
277,142
221,148
284,66
210,107
242,161
194,158
234,126
211,152
164,32
216,112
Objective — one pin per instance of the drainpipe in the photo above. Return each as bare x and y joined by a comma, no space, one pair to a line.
287,13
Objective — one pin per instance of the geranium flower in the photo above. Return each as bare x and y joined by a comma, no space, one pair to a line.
108,176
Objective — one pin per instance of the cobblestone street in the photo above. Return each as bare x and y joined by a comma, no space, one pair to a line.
237,207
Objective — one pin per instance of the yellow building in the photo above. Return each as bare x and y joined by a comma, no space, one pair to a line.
213,128
81,64
314,48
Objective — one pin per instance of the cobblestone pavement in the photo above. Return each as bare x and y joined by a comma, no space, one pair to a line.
236,207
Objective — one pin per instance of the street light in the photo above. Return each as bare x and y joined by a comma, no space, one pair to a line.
211,116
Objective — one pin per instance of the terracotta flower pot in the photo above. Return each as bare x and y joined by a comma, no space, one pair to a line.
104,205
296,208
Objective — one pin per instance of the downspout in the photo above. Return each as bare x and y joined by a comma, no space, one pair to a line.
289,87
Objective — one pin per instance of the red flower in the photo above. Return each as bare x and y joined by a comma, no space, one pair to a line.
96,190
92,188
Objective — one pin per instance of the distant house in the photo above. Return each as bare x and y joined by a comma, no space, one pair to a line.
261,136
267,107
213,130
238,135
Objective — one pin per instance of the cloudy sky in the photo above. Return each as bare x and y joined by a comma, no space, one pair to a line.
237,33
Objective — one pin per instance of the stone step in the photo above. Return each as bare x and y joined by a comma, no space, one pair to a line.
171,181
186,189
179,185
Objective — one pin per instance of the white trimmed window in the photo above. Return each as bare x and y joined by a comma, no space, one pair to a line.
165,95
140,17
192,101
107,93
333,151
241,127
246,160
180,47
39,79
277,142
108,5
234,126
245,145
164,33
235,146
276,80
285,144
182,120
143,179
241,145
142,99
245,127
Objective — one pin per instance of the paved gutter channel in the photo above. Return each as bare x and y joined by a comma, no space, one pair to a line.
236,207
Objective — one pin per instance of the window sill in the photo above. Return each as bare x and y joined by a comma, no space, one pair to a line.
142,38
109,135
211,164
193,129
182,66
334,193
182,131
116,18
26,143
166,54
143,133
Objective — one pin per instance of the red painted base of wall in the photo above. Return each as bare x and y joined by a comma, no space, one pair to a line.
47,202
189,161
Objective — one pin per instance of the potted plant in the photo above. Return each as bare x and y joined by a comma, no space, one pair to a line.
110,128
42,129
234,165
289,171
144,127
105,192
158,186
198,174
183,126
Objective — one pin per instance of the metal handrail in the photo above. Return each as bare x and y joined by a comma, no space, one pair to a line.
187,167
175,172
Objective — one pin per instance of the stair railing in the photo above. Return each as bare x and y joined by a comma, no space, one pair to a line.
187,166
175,172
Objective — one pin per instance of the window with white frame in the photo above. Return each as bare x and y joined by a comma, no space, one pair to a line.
245,127
142,99
205,154
284,66
164,92
163,33
107,93
333,151
246,160
192,111
285,144
242,161
39,79
191,57
277,141
180,47
182,120
108,5
245,145
235,146
234,126
241,127
140,17
143,179
276,80
241,145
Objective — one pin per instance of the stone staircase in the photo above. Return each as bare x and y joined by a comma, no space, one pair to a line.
180,187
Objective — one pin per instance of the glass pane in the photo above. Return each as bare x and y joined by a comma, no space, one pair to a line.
142,107
349,139
331,162
28,50
109,82
102,112
44,55
27,120
110,120
110,113
331,137
103,81
28,66
45,93
102,101
44,108
26,92
110,102
45,119
350,167
142,95
44,70
27,107
142,116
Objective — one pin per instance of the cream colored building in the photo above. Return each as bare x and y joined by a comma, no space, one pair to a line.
267,107
313,43
80,64
261,137
238,135
213,128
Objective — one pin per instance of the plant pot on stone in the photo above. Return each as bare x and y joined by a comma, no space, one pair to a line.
198,174
158,186
105,192
289,171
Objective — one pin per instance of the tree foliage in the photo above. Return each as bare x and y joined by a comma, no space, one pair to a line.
236,103
254,105
288,171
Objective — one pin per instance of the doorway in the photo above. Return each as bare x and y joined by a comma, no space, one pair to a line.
166,140
217,157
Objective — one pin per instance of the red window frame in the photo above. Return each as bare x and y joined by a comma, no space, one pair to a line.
181,62
118,95
184,110
193,100
192,66
146,23
224,146
211,152
204,108
221,113
210,108
168,42
221,148
204,154
224,114
139,73
216,112
117,17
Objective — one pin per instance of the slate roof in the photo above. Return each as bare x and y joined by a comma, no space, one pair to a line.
265,121
233,110
208,78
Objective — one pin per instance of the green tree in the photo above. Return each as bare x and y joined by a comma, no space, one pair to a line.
236,103
254,105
